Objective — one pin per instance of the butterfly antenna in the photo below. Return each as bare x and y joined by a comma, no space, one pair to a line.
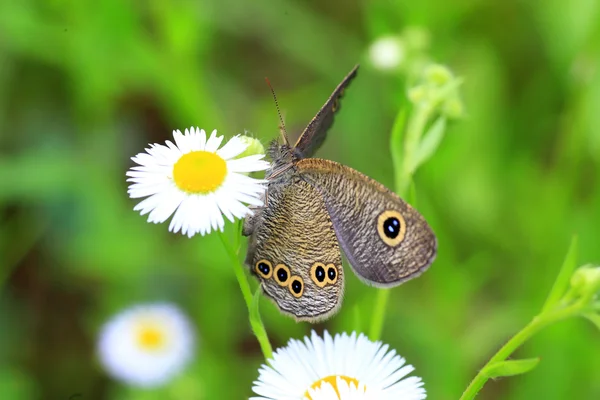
282,126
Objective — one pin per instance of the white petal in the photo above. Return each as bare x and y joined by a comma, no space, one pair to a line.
248,164
234,147
138,190
213,142
202,135
181,141
166,208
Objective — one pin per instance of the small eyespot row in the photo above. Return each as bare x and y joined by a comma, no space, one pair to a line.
320,274
323,275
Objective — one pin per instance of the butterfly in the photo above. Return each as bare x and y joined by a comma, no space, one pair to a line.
315,209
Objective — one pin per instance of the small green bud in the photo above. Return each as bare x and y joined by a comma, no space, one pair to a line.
586,280
438,75
453,108
254,146
417,94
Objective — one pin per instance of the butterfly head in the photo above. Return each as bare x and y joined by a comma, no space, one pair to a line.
283,158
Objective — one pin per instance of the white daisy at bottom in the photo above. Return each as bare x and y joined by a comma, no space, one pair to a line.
196,181
146,345
346,367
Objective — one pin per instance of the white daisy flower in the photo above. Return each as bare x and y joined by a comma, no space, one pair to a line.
340,368
146,345
387,53
196,180
340,389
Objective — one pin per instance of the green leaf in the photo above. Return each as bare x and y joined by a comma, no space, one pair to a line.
564,276
430,142
510,367
595,318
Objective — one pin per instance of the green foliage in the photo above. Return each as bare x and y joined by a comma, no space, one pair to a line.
86,85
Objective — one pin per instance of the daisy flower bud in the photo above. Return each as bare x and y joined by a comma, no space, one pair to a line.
417,94
146,345
437,75
453,108
586,281
254,146
437,89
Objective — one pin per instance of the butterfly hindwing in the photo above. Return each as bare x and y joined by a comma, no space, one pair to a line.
295,254
385,240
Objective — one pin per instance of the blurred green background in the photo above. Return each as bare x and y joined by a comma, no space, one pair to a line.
85,85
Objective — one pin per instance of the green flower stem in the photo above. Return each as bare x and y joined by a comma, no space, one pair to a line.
541,321
257,326
378,317
414,131
403,176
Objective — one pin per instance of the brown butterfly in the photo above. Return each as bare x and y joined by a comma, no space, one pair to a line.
313,207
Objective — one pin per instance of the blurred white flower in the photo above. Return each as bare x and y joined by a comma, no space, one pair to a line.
146,345
387,53
196,180
340,368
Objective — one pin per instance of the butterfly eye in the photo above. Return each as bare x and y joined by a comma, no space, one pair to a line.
317,274
391,227
296,286
264,269
281,273
332,274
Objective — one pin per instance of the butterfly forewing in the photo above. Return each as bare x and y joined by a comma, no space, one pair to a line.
385,240
313,136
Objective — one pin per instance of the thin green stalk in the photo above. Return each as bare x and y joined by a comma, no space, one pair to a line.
414,131
539,322
378,317
403,176
238,268
251,303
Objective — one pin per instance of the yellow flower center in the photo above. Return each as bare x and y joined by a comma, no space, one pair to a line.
199,172
150,337
332,380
